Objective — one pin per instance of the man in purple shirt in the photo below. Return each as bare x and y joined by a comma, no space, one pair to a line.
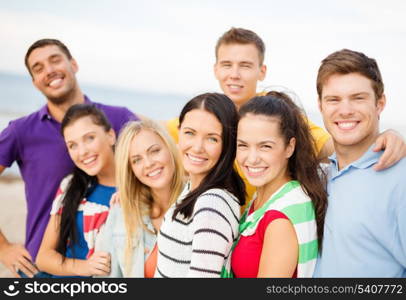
35,142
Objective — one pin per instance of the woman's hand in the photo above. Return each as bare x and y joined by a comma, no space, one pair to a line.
97,264
115,199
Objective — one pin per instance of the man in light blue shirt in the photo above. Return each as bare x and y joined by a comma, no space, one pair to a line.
365,224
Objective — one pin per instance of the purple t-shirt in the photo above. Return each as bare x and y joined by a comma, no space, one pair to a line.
35,142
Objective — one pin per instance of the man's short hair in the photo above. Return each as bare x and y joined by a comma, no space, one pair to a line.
242,36
347,61
46,42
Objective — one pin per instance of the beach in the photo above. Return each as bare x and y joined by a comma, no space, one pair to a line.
13,212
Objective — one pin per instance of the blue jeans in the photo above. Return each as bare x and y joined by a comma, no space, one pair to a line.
38,275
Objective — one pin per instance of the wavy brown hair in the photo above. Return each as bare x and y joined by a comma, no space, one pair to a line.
222,175
303,165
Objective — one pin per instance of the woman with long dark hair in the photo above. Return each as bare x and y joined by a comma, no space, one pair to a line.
198,231
81,206
282,228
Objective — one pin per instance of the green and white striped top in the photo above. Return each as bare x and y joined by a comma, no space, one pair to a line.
291,200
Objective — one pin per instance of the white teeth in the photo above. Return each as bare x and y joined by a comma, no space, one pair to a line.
233,86
55,82
154,173
194,158
255,170
347,125
89,160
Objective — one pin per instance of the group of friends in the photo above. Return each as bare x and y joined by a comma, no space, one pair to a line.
241,184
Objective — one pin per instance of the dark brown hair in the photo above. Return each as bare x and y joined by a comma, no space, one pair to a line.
46,42
242,36
81,185
222,175
347,61
303,165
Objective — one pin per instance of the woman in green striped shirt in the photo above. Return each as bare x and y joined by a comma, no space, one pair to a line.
282,228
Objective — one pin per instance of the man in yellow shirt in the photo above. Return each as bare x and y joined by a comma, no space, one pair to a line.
238,68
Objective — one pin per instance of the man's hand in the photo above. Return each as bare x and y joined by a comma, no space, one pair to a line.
15,257
394,147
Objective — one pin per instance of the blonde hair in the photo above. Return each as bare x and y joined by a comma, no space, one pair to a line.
135,197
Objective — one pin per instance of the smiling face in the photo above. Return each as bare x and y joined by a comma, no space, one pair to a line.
151,160
53,73
90,146
350,111
238,71
261,151
200,143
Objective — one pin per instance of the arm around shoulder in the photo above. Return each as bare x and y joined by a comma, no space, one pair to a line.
394,146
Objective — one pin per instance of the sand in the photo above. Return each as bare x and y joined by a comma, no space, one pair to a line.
12,212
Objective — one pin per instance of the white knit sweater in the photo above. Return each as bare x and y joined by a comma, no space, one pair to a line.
198,246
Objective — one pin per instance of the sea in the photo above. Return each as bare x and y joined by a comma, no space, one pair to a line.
19,97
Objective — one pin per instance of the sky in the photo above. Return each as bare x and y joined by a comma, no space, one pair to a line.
168,46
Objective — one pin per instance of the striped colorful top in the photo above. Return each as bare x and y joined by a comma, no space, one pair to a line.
292,201
198,246
91,216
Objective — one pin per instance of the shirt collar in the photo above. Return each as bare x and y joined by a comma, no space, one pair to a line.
368,159
146,219
44,111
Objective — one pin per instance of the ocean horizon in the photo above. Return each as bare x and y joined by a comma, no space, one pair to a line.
19,97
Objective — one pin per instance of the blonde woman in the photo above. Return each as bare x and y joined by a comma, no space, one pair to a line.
149,177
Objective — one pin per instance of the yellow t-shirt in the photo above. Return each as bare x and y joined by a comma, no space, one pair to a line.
172,126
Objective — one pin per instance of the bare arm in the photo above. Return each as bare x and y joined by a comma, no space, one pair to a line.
280,251
394,147
51,261
326,151
15,256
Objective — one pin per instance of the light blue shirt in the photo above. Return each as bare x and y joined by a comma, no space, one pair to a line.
365,225
112,239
